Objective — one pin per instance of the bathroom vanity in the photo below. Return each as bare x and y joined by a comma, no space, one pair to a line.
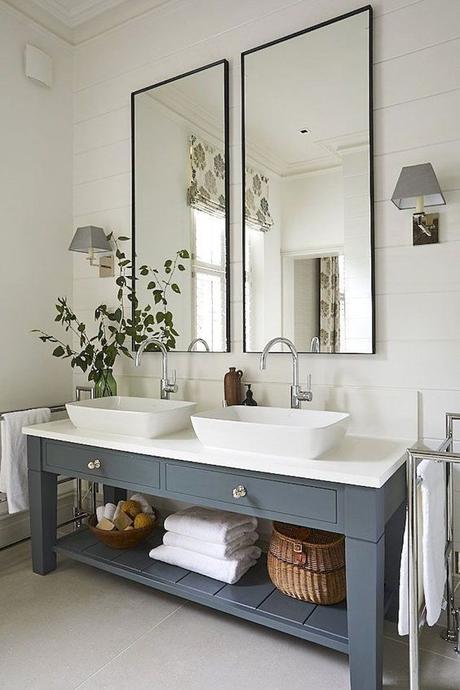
357,489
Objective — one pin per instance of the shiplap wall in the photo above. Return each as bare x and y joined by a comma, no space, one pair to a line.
35,212
403,390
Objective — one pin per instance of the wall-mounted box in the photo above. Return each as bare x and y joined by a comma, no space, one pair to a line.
38,65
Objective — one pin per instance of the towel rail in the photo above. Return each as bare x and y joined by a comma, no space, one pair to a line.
78,512
444,454
52,408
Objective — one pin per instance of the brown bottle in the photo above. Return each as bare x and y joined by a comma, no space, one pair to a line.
232,386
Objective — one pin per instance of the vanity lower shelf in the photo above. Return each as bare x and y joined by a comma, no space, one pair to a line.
253,598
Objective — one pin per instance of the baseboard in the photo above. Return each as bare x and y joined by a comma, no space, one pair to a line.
16,527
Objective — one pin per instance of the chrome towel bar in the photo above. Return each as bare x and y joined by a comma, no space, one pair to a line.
445,453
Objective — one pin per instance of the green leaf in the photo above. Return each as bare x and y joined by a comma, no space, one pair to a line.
181,267
175,288
184,254
58,351
151,285
123,238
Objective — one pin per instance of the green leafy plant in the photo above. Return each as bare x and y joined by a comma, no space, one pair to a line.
116,326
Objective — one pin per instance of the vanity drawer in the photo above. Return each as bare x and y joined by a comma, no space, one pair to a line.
271,495
102,464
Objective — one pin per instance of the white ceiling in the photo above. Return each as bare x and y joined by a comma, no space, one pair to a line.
318,81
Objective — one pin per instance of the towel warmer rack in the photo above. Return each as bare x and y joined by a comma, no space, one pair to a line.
445,454
78,512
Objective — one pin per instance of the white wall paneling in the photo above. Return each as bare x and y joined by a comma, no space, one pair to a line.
35,211
417,108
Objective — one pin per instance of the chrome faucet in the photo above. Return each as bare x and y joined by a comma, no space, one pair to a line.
298,393
195,342
167,385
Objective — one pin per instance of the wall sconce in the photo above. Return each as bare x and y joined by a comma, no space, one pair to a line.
93,241
418,187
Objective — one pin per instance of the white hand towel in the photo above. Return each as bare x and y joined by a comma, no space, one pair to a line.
229,571
13,466
433,544
216,526
208,548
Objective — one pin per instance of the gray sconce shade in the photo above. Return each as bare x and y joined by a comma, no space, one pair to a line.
90,239
416,181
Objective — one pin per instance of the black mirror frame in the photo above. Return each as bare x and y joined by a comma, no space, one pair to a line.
225,65
367,8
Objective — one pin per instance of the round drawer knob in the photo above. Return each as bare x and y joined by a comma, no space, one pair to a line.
239,491
94,465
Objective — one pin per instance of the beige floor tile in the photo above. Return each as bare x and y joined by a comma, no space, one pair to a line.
199,649
437,672
81,628
58,629
430,641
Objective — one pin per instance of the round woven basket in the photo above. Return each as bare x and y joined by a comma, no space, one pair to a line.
307,564
127,539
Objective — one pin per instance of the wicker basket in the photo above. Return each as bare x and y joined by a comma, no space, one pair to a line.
127,539
307,564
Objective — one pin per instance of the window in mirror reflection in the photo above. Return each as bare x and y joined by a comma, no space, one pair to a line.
180,200
208,279
308,210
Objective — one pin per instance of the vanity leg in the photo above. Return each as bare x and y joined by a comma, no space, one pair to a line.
43,520
365,576
113,494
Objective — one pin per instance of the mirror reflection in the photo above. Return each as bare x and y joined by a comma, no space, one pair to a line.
180,217
308,212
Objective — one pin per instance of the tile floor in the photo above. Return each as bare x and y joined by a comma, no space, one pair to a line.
79,627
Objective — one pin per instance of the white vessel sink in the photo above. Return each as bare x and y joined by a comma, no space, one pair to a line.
143,417
271,430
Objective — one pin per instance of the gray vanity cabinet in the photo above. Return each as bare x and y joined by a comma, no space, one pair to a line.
371,519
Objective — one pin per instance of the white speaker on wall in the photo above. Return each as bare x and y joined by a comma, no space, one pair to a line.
38,65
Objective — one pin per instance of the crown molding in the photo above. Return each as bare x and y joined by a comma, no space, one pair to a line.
78,11
51,30
86,19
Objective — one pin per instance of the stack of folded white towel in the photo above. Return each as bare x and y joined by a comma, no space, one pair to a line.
214,543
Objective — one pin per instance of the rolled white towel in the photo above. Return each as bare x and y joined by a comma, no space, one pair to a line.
208,548
109,510
230,570
117,510
100,513
215,526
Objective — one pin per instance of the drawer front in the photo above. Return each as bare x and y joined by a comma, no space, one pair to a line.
282,497
121,467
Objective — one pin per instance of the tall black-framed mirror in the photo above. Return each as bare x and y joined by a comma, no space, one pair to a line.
180,208
308,189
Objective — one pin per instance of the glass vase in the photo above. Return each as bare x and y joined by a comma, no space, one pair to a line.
105,385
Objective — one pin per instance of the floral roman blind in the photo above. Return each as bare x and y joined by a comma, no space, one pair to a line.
257,211
206,189
329,304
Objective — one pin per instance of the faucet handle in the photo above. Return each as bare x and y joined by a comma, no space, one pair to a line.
304,393
171,385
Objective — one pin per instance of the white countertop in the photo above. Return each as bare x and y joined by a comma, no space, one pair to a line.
358,460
